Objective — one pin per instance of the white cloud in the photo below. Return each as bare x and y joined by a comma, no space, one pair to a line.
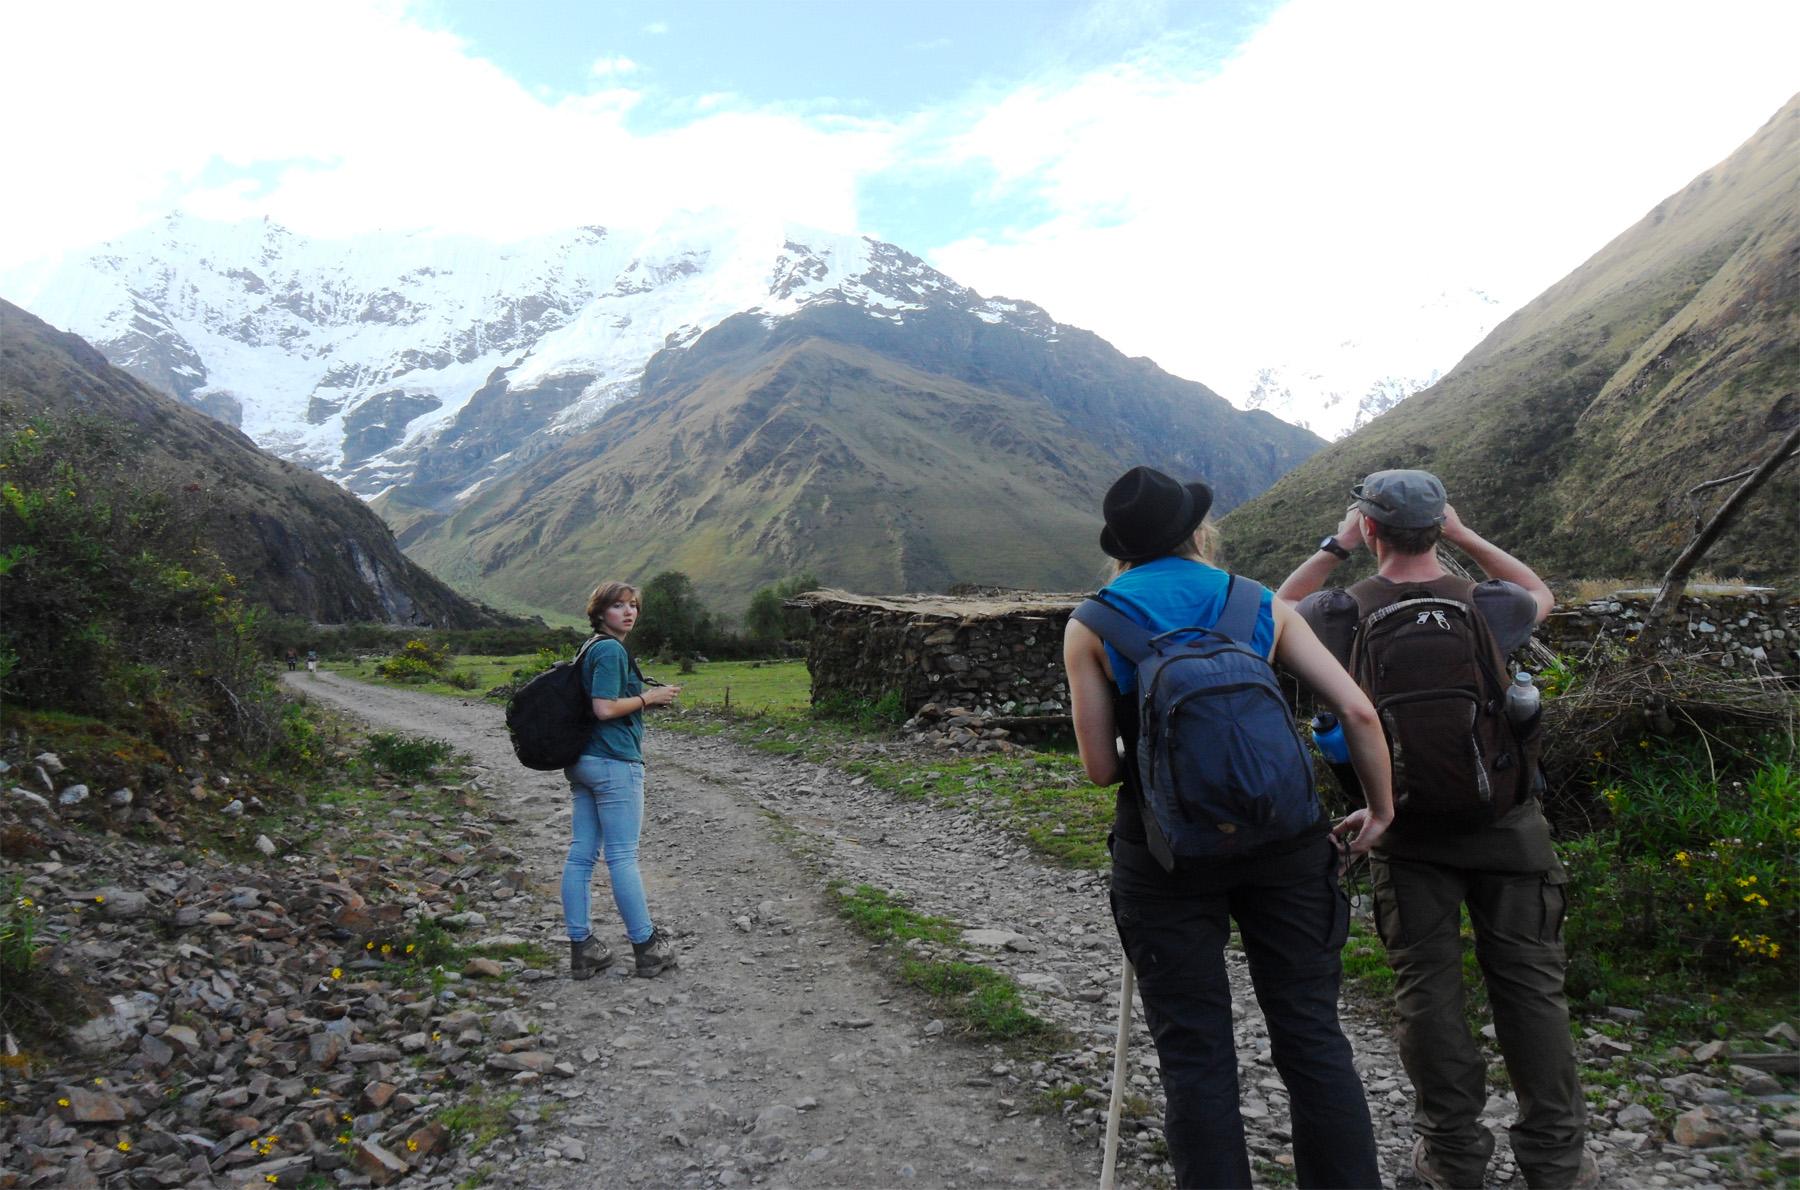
657,28
350,117
1348,175
612,67
1353,162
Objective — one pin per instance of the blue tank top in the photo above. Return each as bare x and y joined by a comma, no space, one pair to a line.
1172,593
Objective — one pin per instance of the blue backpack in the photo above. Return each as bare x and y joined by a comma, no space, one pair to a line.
1221,768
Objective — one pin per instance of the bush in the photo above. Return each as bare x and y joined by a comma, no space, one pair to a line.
114,604
1694,875
416,661
406,758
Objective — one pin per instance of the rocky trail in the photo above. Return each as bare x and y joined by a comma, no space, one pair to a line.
783,1051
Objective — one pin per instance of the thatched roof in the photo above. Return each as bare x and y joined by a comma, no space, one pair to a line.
997,605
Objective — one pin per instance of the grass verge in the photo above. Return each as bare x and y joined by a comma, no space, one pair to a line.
982,1003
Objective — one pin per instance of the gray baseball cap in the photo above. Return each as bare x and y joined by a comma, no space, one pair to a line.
1403,499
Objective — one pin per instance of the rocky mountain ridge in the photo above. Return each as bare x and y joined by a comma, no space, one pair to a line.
1574,433
298,544
383,360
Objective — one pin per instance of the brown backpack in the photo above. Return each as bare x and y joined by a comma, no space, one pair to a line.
1424,656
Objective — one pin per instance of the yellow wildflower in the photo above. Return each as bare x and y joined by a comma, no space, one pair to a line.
387,948
337,973
124,1146
62,1102
99,900
412,1146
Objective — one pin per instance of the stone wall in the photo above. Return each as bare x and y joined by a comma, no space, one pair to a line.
1755,627
999,655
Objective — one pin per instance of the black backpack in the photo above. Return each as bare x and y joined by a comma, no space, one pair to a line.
1221,768
1424,656
550,717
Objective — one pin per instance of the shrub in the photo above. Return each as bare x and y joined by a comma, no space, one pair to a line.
407,758
1694,875
114,603
416,661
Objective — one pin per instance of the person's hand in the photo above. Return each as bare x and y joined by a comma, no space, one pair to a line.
659,696
1455,532
1349,531
1359,829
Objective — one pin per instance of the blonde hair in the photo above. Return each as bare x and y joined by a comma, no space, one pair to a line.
1203,546
604,596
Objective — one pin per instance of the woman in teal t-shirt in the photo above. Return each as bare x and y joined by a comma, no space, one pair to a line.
607,784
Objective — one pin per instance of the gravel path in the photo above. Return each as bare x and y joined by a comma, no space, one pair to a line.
780,1053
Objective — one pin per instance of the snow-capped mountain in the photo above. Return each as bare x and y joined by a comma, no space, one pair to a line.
1350,383
371,358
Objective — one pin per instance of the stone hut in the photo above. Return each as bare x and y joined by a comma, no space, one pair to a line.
995,652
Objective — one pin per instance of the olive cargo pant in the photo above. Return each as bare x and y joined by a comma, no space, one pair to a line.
1517,917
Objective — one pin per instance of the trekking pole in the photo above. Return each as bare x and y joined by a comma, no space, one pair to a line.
1109,1164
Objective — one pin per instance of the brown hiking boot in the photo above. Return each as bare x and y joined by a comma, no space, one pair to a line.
1427,1170
655,954
588,957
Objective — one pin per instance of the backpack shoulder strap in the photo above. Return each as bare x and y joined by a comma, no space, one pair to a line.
1243,603
1113,626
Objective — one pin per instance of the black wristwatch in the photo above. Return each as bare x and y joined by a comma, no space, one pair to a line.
1330,545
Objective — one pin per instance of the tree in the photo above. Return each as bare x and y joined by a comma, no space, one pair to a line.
673,619
768,617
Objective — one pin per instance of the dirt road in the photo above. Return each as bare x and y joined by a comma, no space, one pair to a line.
777,1051
781,1053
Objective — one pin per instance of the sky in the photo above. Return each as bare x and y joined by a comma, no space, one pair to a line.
1355,185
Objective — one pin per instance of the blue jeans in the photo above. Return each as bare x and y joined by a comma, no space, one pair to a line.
1292,917
609,815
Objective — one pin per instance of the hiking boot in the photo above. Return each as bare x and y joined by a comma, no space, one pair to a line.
1428,1170
588,956
654,954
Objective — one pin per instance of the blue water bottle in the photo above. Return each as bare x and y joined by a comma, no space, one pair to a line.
1328,737
1328,734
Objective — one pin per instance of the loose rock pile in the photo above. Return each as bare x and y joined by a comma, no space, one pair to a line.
262,1022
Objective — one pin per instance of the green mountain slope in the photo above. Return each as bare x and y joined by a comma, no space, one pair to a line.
880,456
1571,433
298,544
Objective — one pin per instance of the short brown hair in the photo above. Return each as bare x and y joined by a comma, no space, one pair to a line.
1411,541
604,596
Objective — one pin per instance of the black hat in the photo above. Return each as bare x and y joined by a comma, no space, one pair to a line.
1148,514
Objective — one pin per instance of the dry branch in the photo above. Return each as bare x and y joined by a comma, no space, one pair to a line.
1675,581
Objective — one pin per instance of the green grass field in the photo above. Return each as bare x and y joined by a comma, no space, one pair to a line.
749,687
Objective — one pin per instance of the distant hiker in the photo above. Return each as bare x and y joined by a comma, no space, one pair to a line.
1284,894
608,788
312,662
1492,853
293,660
